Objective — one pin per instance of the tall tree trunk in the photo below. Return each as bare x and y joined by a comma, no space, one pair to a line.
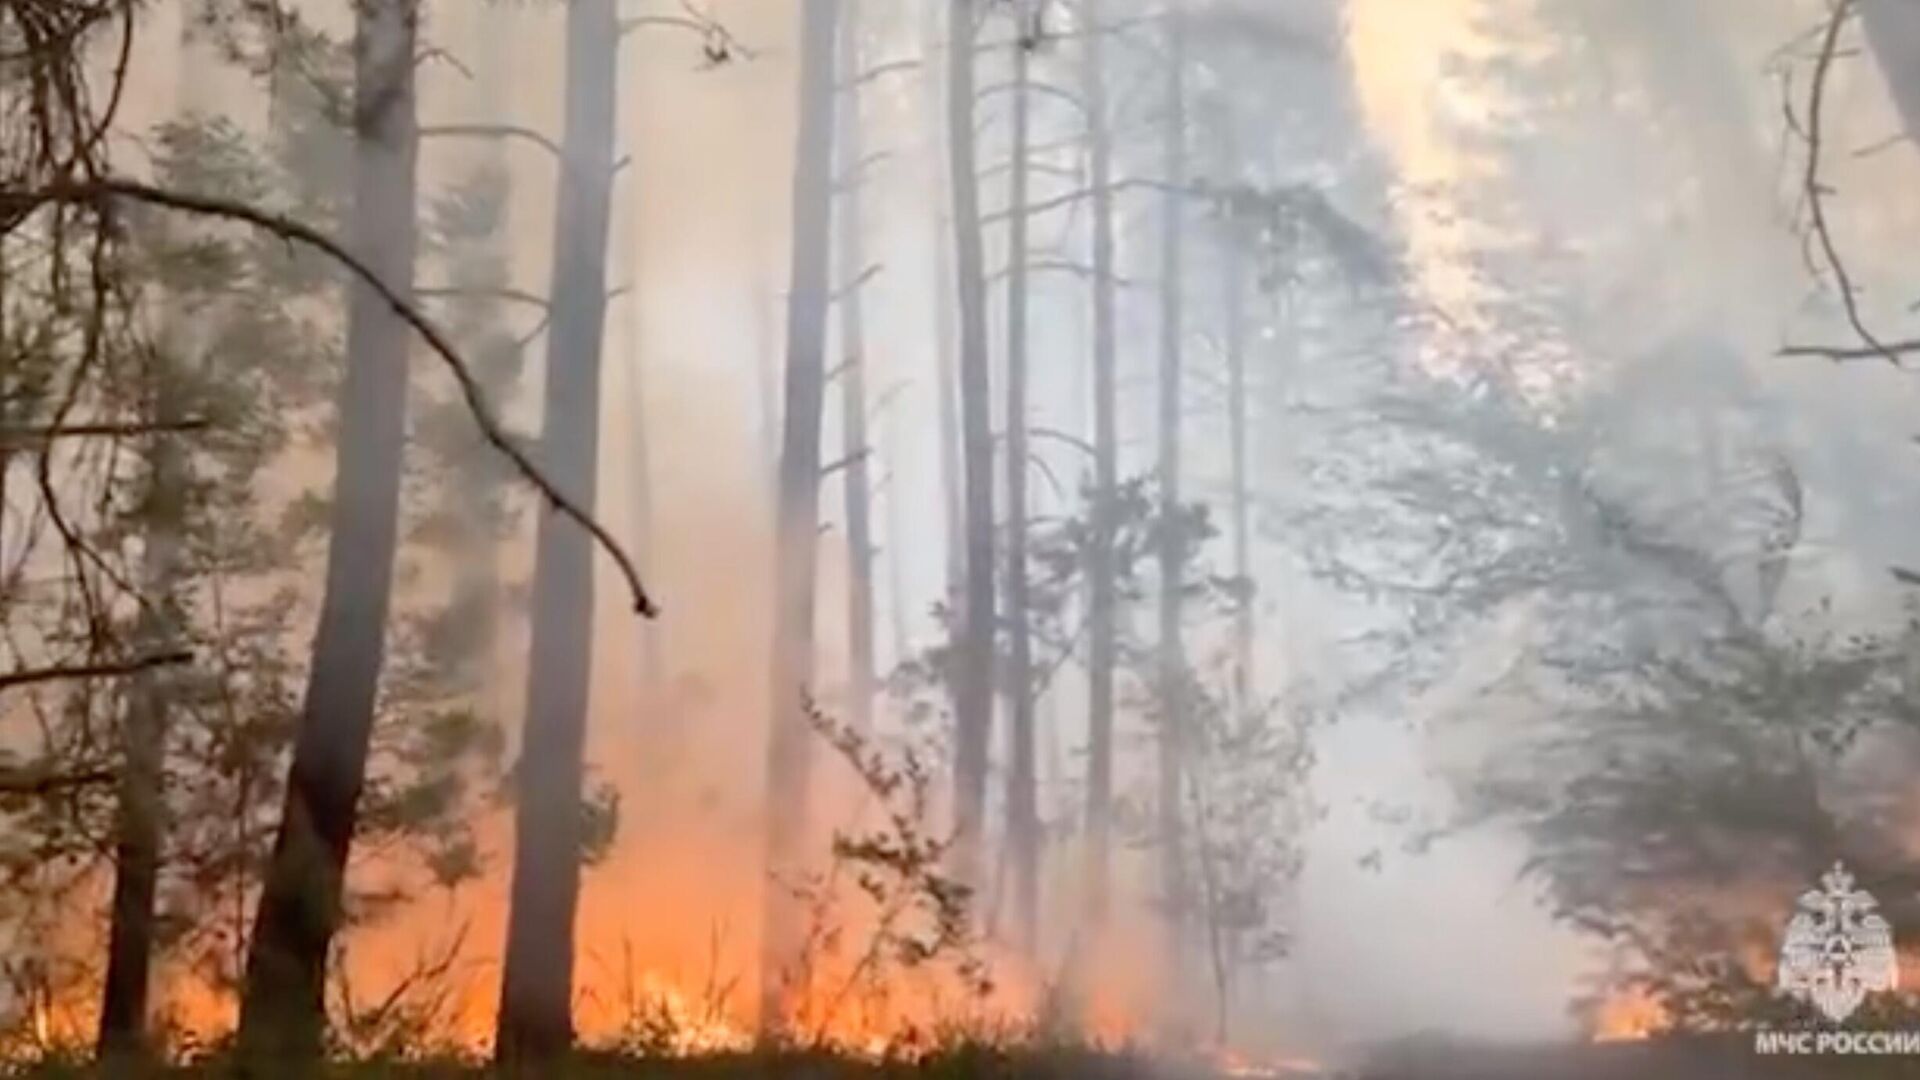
973,692
536,991
1172,659
1102,616
281,1013
945,332
141,797
1233,286
1023,824
853,385
797,531
141,809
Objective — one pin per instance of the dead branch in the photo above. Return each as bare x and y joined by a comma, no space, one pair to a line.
111,669
100,193
866,276
718,45
851,178
518,295
841,463
1816,192
26,438
492,131
45,783
878,71
1034,209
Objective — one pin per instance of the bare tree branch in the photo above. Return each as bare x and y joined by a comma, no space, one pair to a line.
492,131
45,783
1816,192
519,295
110,669
21,438
879,71
840,463
867,275
100,192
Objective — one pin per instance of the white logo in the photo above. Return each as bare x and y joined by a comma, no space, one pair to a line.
1838,949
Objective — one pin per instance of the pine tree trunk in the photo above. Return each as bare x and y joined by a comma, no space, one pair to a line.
1102,616
799,502
1172,659
1023,825
1233,287
853,386
141,809
946,366
536,993
973,692
281,1015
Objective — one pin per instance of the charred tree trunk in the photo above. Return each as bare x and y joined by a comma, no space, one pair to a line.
1102,616
853,385
799,499
281,1012
973,690
536,991
1171,660
1023,822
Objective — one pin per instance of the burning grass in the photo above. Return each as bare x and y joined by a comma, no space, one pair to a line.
968,1060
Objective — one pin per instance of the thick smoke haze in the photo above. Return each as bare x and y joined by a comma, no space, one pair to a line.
1573,595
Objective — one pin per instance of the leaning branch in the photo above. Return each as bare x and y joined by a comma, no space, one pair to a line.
101,191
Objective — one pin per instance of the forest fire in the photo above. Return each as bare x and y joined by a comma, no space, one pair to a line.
797,541
1628,1016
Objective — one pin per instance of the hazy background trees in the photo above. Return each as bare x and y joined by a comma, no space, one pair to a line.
1305,462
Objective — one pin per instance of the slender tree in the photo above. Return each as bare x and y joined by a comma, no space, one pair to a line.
855,449
945,332
141,799
130,937
282,1012
1233,289
796,534
1172,659
973,684
1102,613
536,994
1023,824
